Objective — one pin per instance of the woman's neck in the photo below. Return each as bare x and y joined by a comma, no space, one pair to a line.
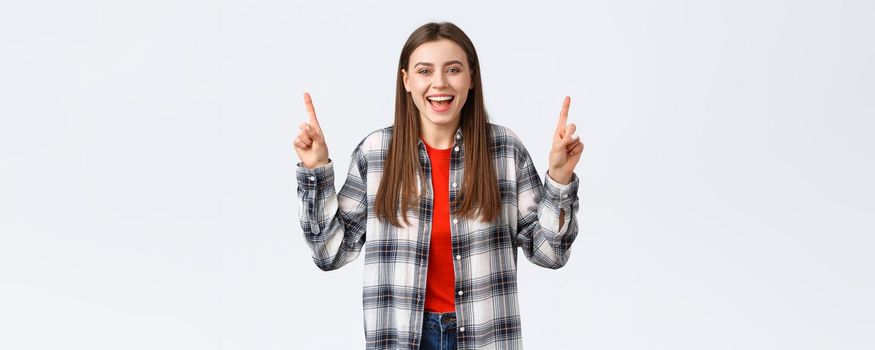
438,136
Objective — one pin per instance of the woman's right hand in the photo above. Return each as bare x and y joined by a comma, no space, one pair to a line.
310,143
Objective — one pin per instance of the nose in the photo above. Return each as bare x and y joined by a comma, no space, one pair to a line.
439,80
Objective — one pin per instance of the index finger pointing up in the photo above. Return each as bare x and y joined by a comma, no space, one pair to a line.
563,116
308,102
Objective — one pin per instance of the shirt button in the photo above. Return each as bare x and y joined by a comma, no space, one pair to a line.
458,257
461,329
461,292
312,178
454,184
458,136
455,221
564,196
456,149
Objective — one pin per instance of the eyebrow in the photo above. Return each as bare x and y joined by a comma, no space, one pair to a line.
446,64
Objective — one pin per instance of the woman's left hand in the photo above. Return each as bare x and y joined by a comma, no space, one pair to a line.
567,148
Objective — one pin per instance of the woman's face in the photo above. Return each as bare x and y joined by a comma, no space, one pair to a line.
436,71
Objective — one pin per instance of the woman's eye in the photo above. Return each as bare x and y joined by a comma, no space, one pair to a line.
425,71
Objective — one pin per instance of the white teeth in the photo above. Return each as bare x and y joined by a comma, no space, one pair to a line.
440,98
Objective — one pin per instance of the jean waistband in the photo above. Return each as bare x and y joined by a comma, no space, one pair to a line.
444,317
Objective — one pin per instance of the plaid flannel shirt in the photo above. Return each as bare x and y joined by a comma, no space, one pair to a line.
337,225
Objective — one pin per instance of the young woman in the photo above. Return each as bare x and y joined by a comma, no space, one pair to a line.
440,201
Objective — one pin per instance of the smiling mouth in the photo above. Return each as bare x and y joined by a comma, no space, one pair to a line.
440,104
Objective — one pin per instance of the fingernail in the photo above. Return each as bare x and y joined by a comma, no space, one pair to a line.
574,136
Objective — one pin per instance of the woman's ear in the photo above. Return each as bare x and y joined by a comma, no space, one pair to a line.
404,79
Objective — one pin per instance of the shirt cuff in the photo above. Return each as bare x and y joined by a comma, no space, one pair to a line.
316,177
564,195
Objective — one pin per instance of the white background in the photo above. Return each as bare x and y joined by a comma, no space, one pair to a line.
147,188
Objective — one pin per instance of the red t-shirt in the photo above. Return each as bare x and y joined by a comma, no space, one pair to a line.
441,280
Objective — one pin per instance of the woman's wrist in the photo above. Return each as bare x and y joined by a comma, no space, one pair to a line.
560,176
315,164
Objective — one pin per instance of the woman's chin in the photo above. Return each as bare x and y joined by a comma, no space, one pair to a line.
441,119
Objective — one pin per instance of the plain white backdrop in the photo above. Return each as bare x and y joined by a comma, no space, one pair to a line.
147,185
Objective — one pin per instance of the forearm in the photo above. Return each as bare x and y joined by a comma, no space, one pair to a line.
547,218
332,223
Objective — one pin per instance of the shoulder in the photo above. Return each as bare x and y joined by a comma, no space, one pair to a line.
375,141
506,140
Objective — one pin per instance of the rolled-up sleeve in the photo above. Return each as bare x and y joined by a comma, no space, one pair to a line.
333,224
540,205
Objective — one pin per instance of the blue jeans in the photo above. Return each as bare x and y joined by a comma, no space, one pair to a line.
438,331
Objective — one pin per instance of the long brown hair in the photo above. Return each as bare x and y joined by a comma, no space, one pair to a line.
480,194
